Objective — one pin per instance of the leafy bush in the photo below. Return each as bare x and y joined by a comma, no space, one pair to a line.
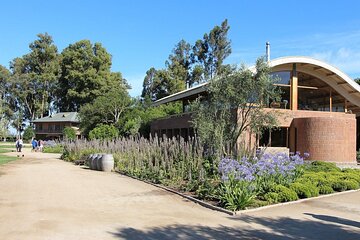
325,189
285,194
208,189
320,166
69,133
28,133
351,174
236,194
271,197
55,149
318,179
103,131
343,185
304,190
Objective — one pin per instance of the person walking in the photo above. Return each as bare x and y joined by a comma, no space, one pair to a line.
20,144
41,145
17,145
34,145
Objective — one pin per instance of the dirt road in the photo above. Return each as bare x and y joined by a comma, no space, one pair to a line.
42,197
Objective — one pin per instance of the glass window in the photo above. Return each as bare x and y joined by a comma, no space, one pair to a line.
281,77
274,138
313,99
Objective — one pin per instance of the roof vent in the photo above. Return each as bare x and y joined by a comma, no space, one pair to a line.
63,115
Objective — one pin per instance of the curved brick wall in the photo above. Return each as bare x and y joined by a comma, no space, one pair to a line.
328,139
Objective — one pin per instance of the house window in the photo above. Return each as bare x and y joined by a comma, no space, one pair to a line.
282,81
274,138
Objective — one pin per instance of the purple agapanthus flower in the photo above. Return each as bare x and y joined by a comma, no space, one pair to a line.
267,165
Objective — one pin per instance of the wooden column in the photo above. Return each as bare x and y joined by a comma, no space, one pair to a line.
346,106
330,100
294,89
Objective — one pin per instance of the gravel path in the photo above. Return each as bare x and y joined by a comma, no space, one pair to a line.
42,197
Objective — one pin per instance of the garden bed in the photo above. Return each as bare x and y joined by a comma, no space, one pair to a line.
216,206
318,179
233,184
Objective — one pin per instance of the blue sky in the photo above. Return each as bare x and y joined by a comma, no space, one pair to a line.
141,34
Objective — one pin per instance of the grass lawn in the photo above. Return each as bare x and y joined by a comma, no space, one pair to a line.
3,149
7,145
6,159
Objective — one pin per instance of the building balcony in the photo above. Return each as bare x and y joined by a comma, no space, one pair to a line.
48,131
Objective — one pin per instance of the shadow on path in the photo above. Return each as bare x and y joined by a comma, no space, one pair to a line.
335,220
266,228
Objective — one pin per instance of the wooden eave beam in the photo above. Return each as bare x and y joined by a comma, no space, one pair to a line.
342,83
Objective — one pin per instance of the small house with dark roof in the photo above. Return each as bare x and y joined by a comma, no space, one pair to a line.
51,127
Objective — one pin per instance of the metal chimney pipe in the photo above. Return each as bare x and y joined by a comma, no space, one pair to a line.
267,51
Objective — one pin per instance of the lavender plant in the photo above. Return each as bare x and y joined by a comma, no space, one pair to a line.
170,161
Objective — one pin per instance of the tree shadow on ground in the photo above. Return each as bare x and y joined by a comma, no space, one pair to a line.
249,228
338,220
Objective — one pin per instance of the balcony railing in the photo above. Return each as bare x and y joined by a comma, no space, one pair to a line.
49,131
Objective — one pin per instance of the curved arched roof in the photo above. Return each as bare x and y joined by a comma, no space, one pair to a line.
329,74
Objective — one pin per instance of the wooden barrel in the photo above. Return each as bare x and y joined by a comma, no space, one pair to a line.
89,159
107,162
98,162
93,161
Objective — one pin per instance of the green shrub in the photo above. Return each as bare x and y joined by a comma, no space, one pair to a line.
315,178
208,190
28,133
258,203
285,194
319,166
69,133
235,194
304,190
343,185
351,170
55,149
103,131
350,175
326,189
337,180
271,197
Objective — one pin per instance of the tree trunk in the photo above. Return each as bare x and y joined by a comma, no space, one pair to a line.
42,106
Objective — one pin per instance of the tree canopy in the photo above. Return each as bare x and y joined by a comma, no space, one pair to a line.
34,78
221,119
80,79
188,65
105,109
6,112
85,75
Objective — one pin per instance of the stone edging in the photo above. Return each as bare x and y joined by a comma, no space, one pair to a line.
208,205
293,202
202,203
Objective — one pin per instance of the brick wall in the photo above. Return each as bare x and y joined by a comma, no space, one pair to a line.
327,138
